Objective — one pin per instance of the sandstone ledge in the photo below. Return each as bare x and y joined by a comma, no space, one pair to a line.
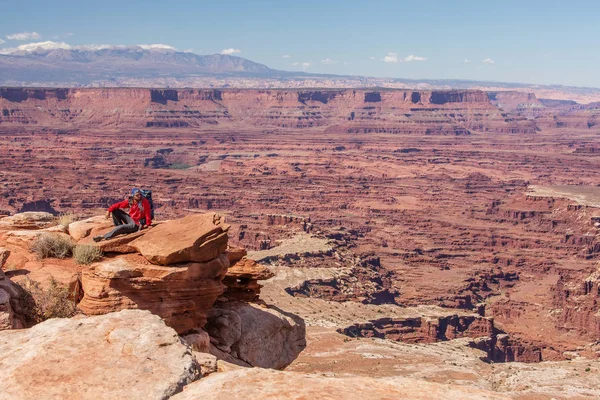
181,294
265,384
125,355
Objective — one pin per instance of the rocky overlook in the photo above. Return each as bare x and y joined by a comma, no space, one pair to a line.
159,270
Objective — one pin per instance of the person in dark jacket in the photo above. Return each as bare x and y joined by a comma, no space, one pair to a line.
138,218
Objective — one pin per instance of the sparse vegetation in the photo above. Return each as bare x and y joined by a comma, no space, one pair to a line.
178,165
66,219
11,267
53,245
85,254
52,301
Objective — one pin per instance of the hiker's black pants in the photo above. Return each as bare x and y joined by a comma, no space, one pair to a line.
123,224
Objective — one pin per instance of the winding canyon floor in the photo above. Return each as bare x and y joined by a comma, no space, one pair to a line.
368,227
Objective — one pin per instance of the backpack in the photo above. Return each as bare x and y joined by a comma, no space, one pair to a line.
148,195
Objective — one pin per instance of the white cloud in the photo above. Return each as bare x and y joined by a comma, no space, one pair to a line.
305,65
328,61
393,58
156,47
2,41
372,58
488,61
230,51
414,58
188,50
390,58
467,61
24,36
286,56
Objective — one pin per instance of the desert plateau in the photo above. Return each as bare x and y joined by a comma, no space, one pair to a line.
308,243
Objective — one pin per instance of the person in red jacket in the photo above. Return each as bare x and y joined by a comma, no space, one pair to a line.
138,218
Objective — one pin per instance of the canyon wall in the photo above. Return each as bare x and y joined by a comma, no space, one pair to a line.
453,112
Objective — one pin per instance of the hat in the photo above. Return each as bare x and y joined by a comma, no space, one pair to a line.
134,191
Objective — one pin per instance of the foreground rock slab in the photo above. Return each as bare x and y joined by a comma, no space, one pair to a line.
266,384
131,354
195,238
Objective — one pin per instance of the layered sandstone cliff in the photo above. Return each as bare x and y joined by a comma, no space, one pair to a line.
455,112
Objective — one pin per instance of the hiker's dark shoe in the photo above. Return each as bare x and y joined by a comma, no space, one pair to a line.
98,238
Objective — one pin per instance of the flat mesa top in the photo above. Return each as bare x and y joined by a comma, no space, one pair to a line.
584,195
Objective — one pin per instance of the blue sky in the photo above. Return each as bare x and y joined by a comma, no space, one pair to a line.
547,42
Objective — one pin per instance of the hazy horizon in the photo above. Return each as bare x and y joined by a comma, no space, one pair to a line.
538,42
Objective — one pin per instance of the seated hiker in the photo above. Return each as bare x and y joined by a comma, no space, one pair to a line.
138,218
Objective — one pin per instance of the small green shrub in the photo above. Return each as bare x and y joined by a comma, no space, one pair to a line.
53,301
52,245
85,254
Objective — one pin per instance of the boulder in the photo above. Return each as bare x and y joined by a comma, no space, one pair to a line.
195,238
180,294
259,336
27,220
265,384
125,355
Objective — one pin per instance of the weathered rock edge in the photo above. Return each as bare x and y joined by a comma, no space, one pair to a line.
131,354
264,384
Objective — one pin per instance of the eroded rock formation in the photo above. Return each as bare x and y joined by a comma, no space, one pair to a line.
501,348
255,335
130,354
242,277
423,329
182,292
454,112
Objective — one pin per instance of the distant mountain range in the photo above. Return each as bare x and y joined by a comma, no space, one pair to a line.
85,67
50,64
